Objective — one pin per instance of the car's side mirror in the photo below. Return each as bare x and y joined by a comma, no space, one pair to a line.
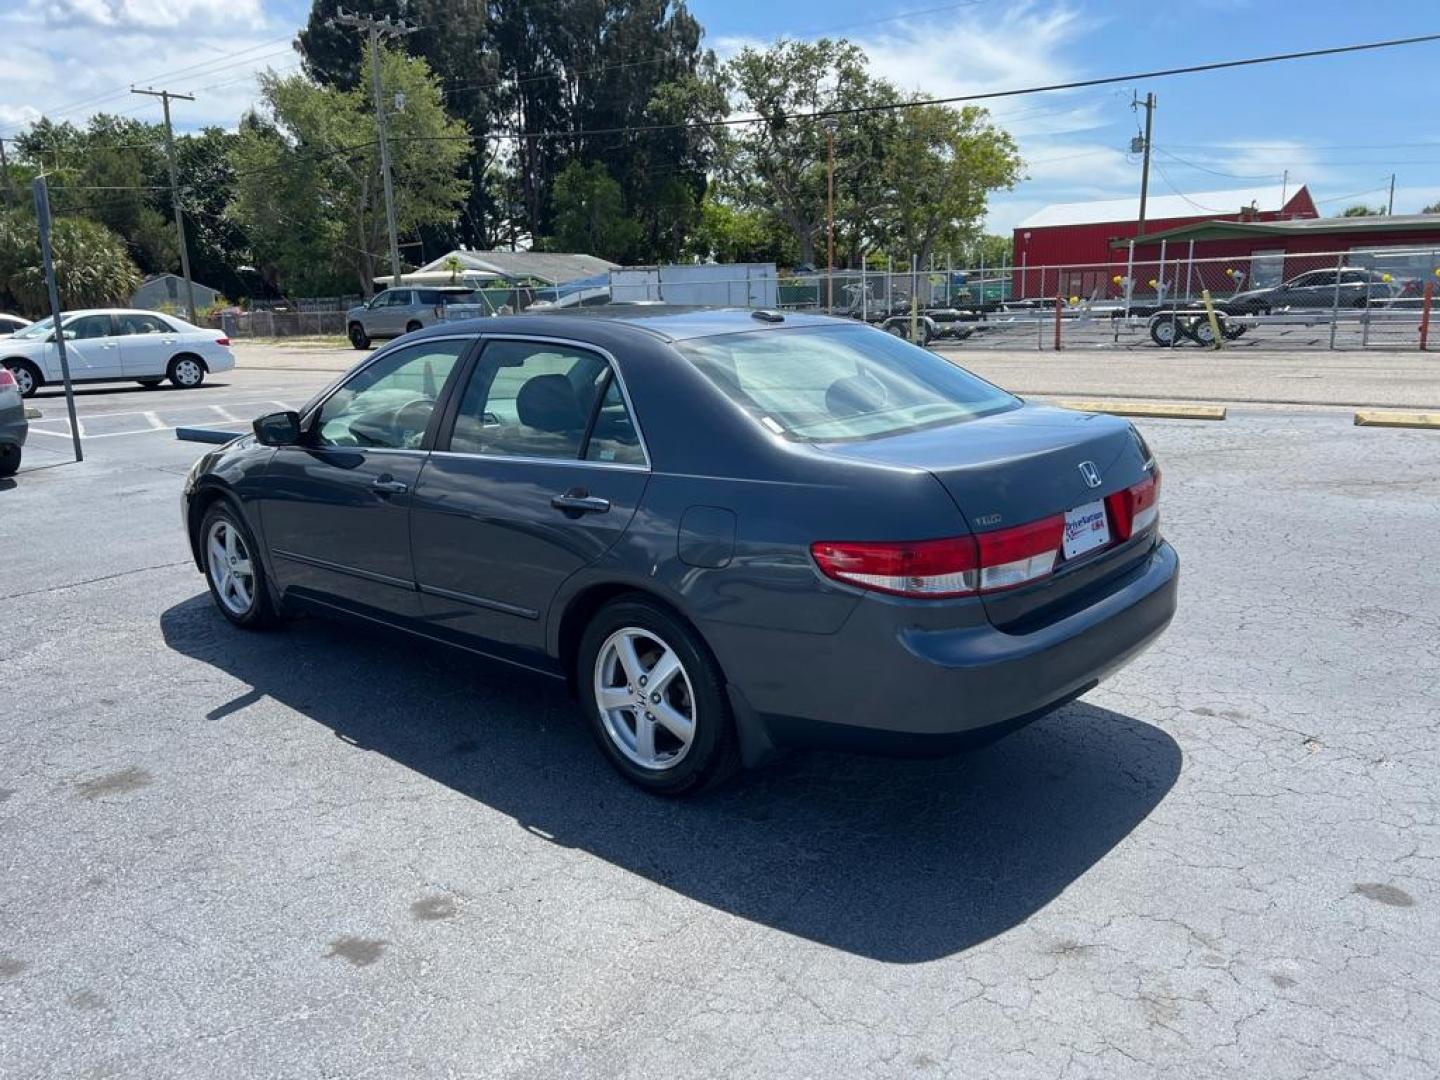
278,428
50,338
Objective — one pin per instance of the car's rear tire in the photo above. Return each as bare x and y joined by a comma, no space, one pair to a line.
655,698
186,372
234,570
357,335
27,376
9,459
412,326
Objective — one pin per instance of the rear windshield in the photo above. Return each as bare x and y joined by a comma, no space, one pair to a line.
846,382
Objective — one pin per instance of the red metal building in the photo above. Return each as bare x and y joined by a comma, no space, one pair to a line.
1072,249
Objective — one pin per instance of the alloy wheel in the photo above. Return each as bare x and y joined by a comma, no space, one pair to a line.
231,572
645,699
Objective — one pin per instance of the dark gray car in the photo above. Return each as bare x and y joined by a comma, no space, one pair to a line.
13,424
1356,287
728,531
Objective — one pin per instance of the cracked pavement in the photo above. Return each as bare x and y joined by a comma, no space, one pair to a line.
327,852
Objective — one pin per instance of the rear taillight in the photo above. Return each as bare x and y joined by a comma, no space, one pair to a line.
7,381
1136,508
958,566
223,341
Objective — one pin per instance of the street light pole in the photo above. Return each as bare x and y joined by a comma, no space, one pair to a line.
830,125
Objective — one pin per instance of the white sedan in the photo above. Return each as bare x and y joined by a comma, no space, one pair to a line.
116,345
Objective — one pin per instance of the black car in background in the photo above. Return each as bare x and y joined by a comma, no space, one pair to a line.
726,530
1358,288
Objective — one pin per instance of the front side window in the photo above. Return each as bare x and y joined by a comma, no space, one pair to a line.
87,326
388,404
841,383
531,399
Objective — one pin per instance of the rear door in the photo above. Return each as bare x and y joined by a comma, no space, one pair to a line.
336,511
536,474
146,344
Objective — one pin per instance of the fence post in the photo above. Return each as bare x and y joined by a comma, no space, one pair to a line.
1189,266
1040,313
1058,346
1425,314
889,283
1129,277
1024,275
1214,322
914,298
1335,305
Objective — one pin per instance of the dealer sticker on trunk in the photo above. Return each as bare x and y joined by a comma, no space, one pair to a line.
1086,529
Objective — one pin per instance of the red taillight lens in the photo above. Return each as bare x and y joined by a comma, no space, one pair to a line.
1011,557
7,381
932,568
959,566
222,341
1136,508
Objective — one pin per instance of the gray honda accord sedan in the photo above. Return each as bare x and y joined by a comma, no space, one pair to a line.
728,531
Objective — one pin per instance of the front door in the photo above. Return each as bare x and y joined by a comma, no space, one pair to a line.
336,510
91,348
539,475
146,344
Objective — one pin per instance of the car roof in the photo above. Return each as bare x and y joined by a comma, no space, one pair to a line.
667,322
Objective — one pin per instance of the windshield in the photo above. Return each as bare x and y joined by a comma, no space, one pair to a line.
848,382
36,329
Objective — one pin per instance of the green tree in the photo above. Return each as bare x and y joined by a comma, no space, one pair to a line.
308,185
1360,210
728,233
1433,208
939,168
590,214
92,266
113,171
779,163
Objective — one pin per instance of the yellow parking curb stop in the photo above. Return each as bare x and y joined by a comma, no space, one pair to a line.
1160,410
1376,418
32,413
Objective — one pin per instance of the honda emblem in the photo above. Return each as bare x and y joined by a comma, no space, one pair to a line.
1090,473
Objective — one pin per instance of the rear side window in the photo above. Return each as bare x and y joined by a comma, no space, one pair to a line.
841,383
534,399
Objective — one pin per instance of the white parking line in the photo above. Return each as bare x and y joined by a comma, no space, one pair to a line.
153,420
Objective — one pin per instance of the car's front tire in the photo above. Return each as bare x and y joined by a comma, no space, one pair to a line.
186,372
655,699
9,459
234,570
27,376
357,335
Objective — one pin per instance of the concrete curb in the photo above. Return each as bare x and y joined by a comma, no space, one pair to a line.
1159,410
1373,418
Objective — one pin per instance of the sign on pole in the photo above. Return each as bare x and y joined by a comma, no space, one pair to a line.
42,214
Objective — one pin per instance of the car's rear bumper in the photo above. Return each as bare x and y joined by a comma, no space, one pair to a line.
13,425
883,686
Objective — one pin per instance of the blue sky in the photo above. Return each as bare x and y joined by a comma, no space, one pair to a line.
1341,125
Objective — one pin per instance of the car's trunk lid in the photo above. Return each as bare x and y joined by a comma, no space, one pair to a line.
1017,467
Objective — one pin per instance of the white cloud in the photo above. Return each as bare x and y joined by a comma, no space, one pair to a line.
209,48
153,14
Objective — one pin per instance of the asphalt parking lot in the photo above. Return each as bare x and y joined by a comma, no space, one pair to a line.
324,852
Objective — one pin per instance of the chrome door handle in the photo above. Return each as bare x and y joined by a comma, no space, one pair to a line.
578,501
389,486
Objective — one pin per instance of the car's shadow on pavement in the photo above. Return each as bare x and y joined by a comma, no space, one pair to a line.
901,861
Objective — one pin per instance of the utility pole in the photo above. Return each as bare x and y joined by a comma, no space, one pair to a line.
1390,206
165,96
1149,104
830,126
375,29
